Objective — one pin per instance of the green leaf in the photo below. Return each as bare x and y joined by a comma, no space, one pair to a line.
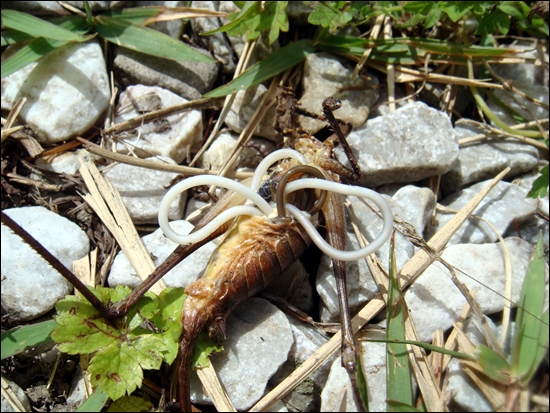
509,7
492,23
531,339
203,348
95,402
36,27
419,7
433,18
362,383
119,366
168,318
130,404
330,15
40,46
540,185
456,9
399,385
252,20
139,15
145,40
278,62
493,364
18,339
395,406
123,348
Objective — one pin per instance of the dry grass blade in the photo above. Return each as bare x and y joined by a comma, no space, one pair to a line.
10,396
412,269
214,389
495,392
158,166
106,202
148,117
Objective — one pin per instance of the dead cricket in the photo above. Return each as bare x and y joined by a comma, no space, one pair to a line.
260,241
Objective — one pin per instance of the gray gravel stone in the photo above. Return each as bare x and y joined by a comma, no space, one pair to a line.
189,80
30,287
258,341
484,160
413,143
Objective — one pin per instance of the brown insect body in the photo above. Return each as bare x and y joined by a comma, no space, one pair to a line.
254,252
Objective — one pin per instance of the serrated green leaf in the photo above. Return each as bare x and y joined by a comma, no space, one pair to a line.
531,338
36,27
130,404
329,15
276,63
119,366
170,302
493,364
203,348
257,17
145,40
18,339
539,189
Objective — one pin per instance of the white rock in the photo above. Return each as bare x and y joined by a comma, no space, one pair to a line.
219,151
66,162
259,338
484,160
410,144
142,191
31,287
244,106
67,91
172,136
417,205
503,205
160,247
435,302
326,75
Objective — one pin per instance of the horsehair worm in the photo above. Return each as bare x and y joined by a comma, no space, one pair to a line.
264,208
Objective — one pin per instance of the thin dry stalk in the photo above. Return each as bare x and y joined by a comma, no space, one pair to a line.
243,64
157,166
205,103
373,35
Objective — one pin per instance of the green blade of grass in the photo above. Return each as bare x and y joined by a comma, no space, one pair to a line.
137,16
36,27
276,63
362,383
40,47
399,385
18,339
95,402
531,339
493,364
145,40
